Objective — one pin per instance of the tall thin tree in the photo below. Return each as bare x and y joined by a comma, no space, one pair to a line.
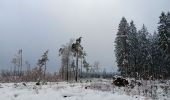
77,49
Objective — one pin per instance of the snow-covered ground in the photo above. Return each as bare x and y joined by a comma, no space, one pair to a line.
98,90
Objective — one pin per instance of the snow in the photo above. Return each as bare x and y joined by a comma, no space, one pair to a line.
62,91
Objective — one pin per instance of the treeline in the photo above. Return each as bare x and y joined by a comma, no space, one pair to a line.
23,72
74,66
28,76
141,54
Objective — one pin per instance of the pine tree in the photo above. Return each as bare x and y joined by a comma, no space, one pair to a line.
143,52
133,49
157,57
77,49
121,47
43,62
164,40
168,32
164,32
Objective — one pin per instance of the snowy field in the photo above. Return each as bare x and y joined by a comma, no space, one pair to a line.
95,90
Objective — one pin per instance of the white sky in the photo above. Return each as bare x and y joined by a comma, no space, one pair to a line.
38,25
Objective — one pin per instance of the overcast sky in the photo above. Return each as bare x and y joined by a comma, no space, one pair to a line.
38,25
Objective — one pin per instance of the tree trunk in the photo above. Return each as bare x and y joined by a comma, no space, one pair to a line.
45,70
62,73
81,68
67,68
21,63
76,77
15,70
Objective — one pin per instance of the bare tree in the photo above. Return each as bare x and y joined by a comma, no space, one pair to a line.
20,61
86,66
96,68
17,62
66,53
